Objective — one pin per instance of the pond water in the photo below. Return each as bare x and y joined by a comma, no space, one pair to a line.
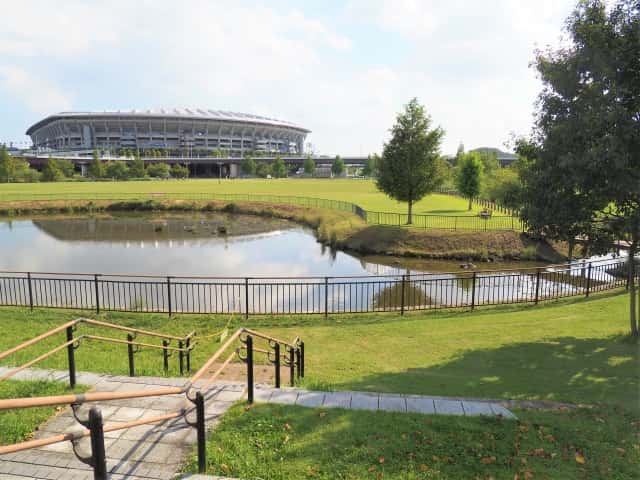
221,245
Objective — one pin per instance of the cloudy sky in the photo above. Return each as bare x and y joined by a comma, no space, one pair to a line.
341,69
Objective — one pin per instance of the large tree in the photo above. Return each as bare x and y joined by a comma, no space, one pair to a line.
248,166
337,167
469,176
7,165
96,167
587,133
309,165
410,167
279,169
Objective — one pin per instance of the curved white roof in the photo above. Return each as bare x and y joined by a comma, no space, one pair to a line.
179,113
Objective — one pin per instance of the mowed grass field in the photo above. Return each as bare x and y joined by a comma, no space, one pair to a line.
362,192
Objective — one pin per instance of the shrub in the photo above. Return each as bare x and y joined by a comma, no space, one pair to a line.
158,170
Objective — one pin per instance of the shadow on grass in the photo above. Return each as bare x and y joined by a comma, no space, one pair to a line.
563,369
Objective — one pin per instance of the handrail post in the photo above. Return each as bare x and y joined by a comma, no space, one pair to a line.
30,291
187,346
291,367
165,355
132,370
473,290
71,357
402,295
298,363
246,298
98,456
588,279
201,434
181,356
276,362
95,282
169,294
326,297
537,285
302,359
249,345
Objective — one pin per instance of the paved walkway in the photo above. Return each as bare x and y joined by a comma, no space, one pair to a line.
157,451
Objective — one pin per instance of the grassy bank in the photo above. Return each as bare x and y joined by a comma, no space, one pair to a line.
282,442
18,425
337,228
573,350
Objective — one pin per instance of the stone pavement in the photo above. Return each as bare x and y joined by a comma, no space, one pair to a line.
154,451
387,402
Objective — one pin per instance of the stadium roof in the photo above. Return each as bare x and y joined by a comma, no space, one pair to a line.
174,113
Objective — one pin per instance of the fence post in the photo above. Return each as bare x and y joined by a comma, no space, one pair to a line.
276,362
165,355
71,357
473,290
95,282
537,285
292,363
246,298
30,291
98,456
249,344
132,372
181,356
187,346
588,279
402,296
169,294
298,363
302,359
326,297
202,451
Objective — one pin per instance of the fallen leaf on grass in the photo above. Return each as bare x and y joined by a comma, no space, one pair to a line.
381,460
580,458
488,460
424,467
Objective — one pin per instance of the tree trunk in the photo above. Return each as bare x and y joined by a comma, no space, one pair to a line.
632,287
410,215
470,202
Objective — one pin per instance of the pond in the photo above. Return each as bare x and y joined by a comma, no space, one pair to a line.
225,245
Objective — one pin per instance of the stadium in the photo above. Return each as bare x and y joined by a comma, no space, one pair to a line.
195,132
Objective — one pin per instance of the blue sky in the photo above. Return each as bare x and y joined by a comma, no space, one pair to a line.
341,69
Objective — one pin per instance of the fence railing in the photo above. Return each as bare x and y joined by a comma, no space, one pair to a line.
292,356
308,295
474,223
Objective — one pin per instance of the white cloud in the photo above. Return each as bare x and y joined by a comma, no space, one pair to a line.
38,95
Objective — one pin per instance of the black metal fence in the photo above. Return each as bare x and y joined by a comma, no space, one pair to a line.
307,295
475,223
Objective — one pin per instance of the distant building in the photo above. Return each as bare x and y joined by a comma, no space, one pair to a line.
504,158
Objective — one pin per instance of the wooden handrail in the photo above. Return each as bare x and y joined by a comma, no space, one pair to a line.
132,330
267,337
216,355
37,339
37,359
142,344
219,370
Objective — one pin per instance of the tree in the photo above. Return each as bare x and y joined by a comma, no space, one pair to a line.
370,168
179,171
459,154
51,172
117,170
309,165
337,167
66,166
409,167
159,170
279,169
469,176
263,169
489,159
96,167
136,169
7,165
24,173
248,166
588,127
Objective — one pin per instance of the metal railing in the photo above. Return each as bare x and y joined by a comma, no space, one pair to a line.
473,223
293,357
308,295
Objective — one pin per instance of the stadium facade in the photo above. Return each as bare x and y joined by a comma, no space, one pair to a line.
193,130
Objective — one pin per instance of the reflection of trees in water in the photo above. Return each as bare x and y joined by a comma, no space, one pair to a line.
391,296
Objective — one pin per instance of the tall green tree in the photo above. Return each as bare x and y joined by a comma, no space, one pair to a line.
279,169
263,169
136,169
159,170
337,167
469,176
117,170
588,125
67,167
309,165
51,172
96,167
370,168
248,166
179,171
7,165
409,167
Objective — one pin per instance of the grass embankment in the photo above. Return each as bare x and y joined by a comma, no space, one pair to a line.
283,442
18,425
566,351
361,192
337,228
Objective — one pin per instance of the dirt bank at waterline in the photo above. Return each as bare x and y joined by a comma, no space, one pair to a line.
341,230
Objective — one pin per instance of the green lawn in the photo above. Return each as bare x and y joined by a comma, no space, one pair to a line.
17,425
282,442
573,350
361,192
